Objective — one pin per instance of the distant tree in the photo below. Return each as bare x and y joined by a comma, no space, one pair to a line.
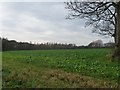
97,43
4,44
0,44
103,16
109,44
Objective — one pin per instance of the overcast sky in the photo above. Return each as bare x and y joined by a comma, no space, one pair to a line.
42,22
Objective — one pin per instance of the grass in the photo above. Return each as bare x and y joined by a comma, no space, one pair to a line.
59,68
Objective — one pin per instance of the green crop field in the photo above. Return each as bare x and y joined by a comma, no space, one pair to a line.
71,68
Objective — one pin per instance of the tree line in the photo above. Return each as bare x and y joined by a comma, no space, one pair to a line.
8,45
14,45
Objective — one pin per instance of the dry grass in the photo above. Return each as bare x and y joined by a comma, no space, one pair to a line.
52,78
76,80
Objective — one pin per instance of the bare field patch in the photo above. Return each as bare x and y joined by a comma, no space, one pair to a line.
76,80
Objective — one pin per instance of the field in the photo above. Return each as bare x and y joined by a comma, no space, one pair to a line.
90,68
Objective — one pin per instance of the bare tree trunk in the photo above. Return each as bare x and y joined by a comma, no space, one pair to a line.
117,46
115,29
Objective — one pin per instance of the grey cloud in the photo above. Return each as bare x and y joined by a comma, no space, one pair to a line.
43,22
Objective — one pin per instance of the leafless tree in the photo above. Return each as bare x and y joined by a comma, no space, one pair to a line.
103,16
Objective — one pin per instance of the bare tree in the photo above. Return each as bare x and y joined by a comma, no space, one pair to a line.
103,16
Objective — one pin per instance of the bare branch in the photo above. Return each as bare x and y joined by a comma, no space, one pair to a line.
96,13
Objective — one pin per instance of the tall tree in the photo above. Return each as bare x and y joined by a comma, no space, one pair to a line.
103,16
